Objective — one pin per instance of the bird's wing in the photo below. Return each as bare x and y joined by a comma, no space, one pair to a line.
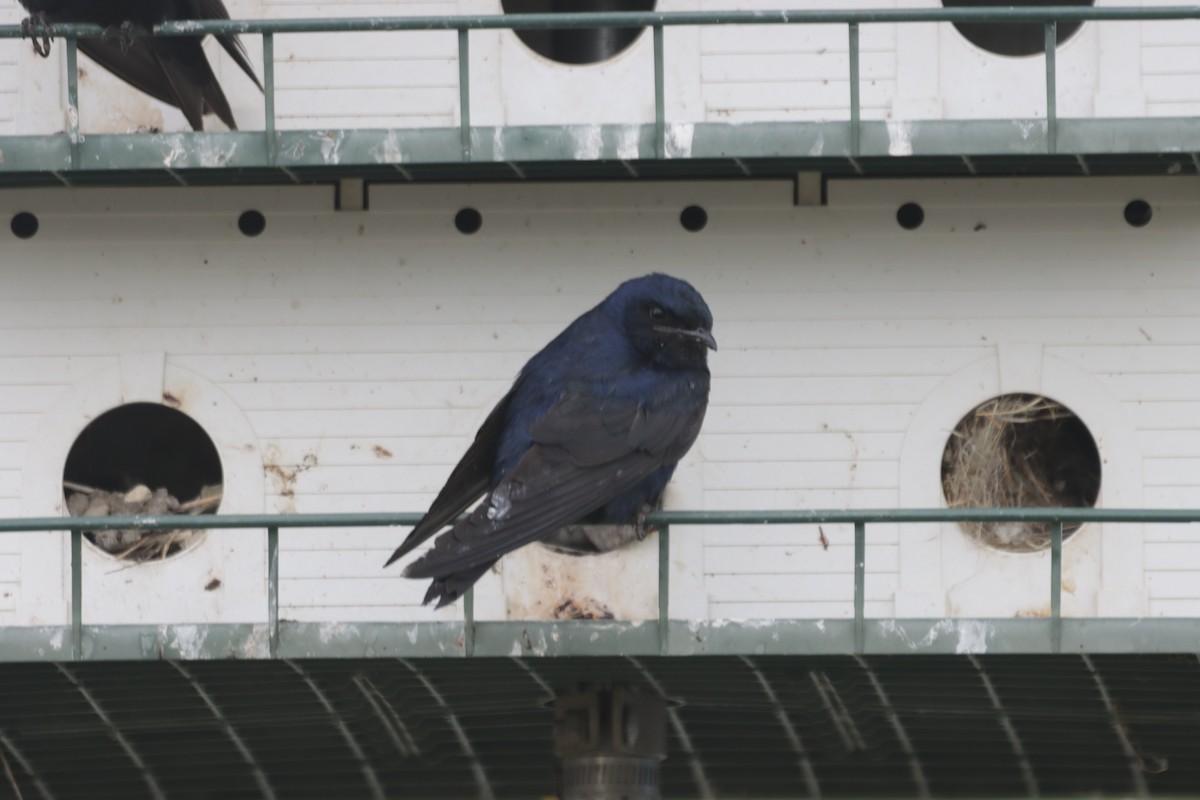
466,484
586,451
138,67
215,9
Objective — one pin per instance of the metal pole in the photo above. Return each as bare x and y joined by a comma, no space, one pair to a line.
269,94
464,92
469,622
1051,87
1056,541
73,99
77,595
860,589
855,100
273,588
660,103
664,590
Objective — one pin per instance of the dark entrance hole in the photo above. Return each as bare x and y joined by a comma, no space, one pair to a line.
577,45
1014,38
142,458
1020,451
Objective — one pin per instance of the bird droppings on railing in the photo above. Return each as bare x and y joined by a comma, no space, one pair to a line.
973,635
679,139
331,145
899,137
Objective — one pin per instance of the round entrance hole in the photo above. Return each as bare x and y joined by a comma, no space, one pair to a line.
142,459
1014,38
1020,451
577,45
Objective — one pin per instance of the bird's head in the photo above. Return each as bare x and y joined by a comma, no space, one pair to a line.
666,320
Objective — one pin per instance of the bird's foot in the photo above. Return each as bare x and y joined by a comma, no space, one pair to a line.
639,525
37,28
125,37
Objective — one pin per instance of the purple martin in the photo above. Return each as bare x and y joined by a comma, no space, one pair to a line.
589,433
172,69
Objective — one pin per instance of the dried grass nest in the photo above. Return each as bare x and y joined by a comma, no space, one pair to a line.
1020,451
137,545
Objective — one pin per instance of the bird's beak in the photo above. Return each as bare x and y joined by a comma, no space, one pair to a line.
700,335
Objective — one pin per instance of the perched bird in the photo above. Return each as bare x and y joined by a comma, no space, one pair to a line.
590,433
172,69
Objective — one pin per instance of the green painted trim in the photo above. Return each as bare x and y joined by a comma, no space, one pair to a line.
593,638
762,149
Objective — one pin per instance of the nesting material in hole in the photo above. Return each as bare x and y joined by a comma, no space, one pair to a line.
1020,451
142,459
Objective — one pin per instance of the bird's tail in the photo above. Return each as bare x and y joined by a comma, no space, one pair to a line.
449,588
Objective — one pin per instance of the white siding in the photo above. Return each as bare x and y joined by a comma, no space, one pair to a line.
364,349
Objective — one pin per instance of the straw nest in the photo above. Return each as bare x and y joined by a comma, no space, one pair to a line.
1020,451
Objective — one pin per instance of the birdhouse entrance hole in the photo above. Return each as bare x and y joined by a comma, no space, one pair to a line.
581,45
1020,451
142,459
1014,38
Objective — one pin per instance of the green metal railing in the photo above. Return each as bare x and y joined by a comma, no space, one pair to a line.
273,523
1048,17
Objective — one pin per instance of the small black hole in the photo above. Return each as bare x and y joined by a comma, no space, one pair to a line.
252,223
24,225
1138,213
910,216
468,221
693,218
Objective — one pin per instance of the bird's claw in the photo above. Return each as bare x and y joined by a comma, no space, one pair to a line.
37,28
123,34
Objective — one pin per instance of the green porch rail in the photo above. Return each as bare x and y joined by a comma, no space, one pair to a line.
662,634
853,19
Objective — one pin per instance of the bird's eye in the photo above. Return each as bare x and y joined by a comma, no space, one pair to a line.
657,313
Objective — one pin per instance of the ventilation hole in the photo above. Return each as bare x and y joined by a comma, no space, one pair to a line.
142,458
1138,213
579,45
910,216
468,221
693,218
252,223
1013,38
24,225
1020,451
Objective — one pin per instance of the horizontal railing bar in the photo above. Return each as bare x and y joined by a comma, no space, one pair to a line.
630,19
782,517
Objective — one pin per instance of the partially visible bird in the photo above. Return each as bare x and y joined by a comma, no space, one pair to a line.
172,69
590,432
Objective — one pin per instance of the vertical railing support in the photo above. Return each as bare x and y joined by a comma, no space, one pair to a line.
469,622
73,99
273,588
464,91
664,590
1056,542
77,593
855,99
1052,87
660,98
860,586
269,95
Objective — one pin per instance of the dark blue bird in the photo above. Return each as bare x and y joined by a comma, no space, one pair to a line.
590,432
173,69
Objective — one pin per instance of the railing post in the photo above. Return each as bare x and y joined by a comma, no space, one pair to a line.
469,622
855,100
273,588
860,590
73,99
664,590
269,95
464,91
660,101
1056,541
1051,87
77,593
